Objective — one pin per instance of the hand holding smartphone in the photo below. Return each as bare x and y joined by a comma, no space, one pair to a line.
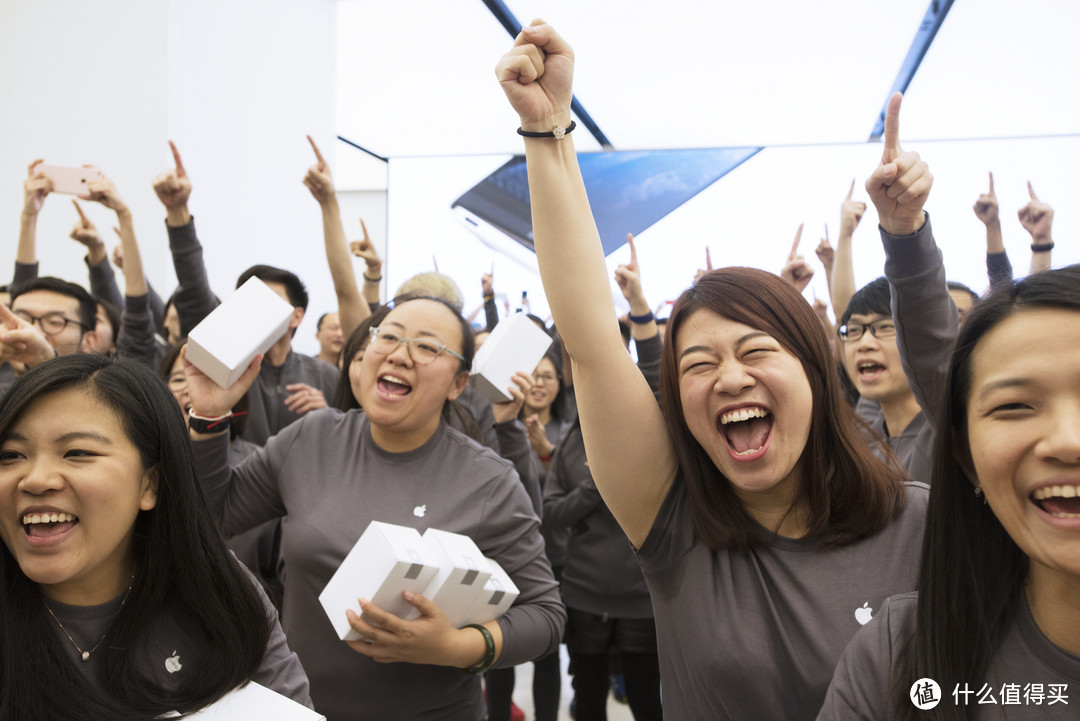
71,180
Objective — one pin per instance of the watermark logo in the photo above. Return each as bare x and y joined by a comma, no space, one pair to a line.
925,694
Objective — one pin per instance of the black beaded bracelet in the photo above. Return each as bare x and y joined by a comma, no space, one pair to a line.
489,654
557,132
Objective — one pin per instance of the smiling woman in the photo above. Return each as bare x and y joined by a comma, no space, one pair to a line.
99,515
997,603
766,529
397,461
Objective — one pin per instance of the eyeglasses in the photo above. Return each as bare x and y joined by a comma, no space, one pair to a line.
177,381
50,323
852,332
421,350
545,378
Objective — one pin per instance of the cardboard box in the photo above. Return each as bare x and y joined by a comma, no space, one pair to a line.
516,344
387,561
249,321
463,571
498,596
256,702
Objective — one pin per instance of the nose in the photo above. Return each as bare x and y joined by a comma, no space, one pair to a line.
401,355
732,379
40,476
1062,440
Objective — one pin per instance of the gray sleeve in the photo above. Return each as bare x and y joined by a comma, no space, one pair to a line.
569,492
135,338
193,298
514,446
241,498
861,683
103,282
24,272
649,354
280,669
533,626
925,316
157,306
999,270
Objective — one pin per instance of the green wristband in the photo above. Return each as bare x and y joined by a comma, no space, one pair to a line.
489,655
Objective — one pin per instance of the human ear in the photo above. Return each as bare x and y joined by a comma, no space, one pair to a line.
962,456
458,387
297,317
148,500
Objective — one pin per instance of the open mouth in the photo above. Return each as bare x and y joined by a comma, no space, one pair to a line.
393,386
1059,501
870,370
746,430
47,525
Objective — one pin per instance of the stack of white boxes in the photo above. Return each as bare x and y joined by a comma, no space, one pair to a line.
253,701
447,568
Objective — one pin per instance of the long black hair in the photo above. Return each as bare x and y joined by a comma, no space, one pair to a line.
972,571
183,572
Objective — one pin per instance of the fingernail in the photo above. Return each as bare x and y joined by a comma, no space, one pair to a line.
361,601
409,595
351,615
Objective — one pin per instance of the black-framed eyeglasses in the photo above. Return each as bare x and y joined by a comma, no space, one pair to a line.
851,332
50,323
545,378
421,350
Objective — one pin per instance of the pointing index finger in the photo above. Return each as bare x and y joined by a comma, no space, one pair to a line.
851,189
892,129
795,246
708,259
180,172
1031,192
322,161
633,251
78,207
992,183
363,227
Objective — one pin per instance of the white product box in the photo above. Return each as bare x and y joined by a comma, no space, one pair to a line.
463,571
387,561
498,596
249,321
256,702
516,344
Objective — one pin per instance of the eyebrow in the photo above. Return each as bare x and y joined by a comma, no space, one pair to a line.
1004,383
420,334
67,437
749,336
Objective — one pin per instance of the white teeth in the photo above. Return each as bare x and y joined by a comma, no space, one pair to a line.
869,364
746,453
742,414
1065,491
32,518
392,379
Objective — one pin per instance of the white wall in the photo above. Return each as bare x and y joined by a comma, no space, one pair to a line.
236,85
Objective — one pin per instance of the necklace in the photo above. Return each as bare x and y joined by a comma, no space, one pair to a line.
86,654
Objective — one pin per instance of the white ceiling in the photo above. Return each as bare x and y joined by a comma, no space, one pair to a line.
416,77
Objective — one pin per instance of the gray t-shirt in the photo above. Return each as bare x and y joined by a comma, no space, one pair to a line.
171,648
268,414
332,480
1027,678
756,634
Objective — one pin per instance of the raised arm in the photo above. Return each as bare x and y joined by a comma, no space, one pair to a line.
491,311
796,270
193,298
36,188
1037,217
365,249
630,453
842,286
924,314
998,267
352,308
102,277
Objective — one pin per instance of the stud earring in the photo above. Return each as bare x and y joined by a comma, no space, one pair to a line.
979,494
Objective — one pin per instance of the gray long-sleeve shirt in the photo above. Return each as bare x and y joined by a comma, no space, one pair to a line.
332,480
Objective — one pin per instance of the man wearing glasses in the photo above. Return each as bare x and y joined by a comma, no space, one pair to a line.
872,361
49,317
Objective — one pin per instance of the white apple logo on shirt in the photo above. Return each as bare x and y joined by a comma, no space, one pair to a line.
172,663
419,511
864,614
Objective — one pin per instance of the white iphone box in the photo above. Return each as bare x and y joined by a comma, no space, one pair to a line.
516,344
498,596
387,561
249,321
256,702
463,571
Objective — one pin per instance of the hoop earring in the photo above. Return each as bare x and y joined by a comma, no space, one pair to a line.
979,494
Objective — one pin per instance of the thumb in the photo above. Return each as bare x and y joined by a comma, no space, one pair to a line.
892,129
421,603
